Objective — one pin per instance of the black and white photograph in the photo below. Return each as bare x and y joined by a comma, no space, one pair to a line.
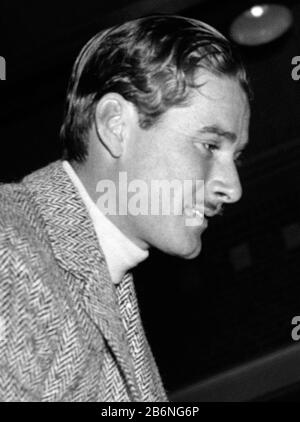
150,203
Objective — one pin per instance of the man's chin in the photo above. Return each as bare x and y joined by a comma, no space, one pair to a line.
190,251
193,254
185,244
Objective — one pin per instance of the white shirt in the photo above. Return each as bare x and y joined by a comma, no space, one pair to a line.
121,253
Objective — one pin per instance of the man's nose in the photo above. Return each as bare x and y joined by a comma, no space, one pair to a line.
225,185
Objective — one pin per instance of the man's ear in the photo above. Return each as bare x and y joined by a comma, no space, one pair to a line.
111,122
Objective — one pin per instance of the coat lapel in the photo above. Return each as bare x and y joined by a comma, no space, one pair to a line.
76,248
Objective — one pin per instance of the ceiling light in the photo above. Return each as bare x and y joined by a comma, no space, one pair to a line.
261,24
257,11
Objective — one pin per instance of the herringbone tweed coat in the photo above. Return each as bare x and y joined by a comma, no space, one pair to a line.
67,333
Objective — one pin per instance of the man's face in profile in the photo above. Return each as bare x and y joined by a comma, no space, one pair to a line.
201,141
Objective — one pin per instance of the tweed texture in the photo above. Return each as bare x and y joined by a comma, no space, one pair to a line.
67,333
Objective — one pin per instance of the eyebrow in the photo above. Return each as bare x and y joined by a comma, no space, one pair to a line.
217,130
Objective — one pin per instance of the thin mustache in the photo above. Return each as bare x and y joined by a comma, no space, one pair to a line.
215,210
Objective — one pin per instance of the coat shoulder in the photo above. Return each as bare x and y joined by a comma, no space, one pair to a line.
15,207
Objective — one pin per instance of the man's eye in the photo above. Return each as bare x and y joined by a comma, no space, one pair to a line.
210,147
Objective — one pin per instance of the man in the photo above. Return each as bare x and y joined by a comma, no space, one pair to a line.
162,98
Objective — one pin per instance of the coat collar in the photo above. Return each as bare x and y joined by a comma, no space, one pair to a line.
76,249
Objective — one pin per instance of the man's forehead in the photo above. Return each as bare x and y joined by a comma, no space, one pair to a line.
222,108
213,112
221,92
205,79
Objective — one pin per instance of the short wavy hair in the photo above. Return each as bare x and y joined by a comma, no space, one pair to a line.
152,63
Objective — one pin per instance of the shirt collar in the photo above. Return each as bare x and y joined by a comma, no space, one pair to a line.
120,252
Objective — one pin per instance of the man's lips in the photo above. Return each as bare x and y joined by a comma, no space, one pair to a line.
197,215
200,210
209,213
212,211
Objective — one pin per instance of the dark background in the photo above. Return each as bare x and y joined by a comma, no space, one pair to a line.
235,302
